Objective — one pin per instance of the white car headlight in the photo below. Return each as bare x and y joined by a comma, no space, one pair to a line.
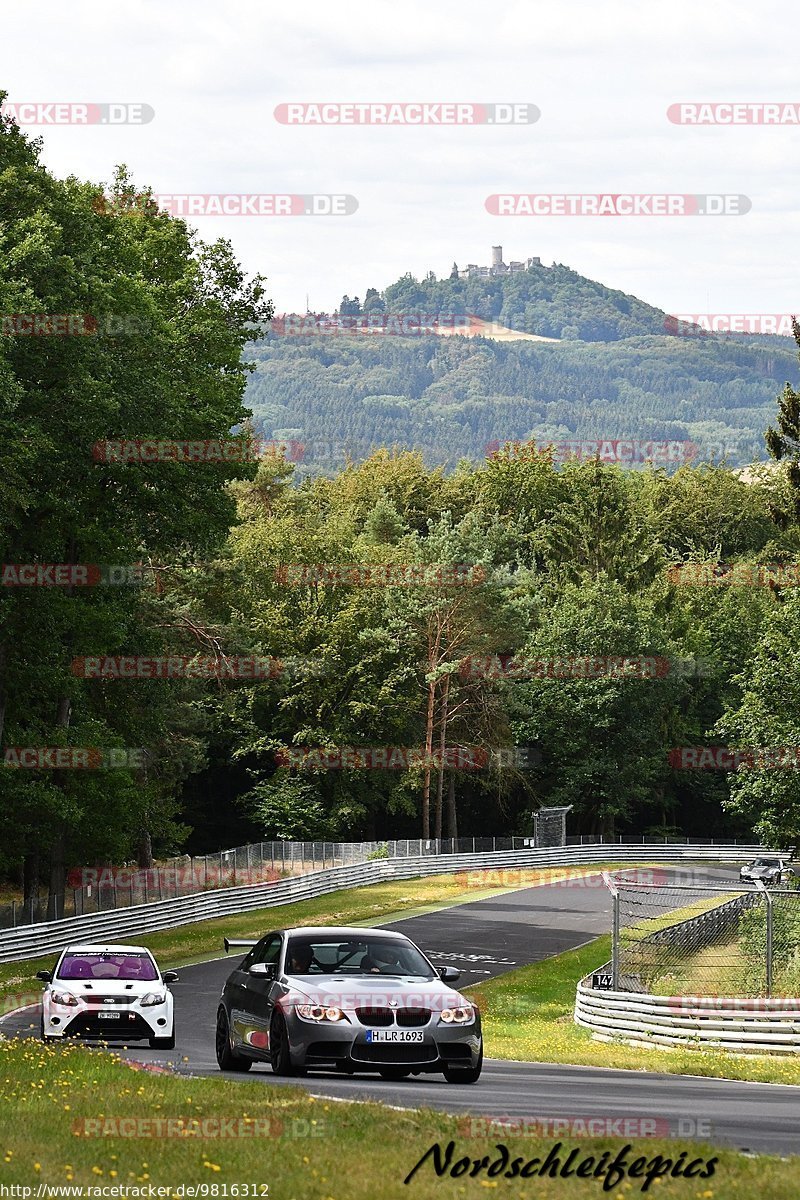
462,1015
152,998
318,1012
65,998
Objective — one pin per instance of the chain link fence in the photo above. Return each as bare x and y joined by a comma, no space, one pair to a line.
674,939
98,889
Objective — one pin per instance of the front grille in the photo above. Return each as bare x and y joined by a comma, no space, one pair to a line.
374,1016
400,1053
378,1017
106,1001
130,1025
413,1018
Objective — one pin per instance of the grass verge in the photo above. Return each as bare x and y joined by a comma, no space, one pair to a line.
527,1015
301,1148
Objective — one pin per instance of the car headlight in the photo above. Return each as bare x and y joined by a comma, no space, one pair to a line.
458,1016
318,1012
65,998
151,998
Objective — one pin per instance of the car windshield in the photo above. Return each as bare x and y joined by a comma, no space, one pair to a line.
108,966
766,862
365,956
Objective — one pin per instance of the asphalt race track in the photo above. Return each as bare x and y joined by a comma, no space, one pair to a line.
485,938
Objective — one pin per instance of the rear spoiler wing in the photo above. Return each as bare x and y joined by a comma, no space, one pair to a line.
228,942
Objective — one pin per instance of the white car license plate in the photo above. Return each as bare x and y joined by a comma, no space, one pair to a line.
394,1035
104,1016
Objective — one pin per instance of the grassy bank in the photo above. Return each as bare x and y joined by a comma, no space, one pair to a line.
70,1117
527,1015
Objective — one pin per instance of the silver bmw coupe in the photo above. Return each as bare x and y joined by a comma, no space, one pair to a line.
348,1000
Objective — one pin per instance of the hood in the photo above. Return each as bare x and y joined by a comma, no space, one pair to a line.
369,991
761,870
85,989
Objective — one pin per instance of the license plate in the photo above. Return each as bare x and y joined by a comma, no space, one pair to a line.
104,1016
394,1035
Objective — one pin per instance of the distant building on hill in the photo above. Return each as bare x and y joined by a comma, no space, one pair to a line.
498,267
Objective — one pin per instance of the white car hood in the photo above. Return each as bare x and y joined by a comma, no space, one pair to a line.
85,988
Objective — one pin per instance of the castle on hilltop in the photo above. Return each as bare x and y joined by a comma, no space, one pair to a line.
498,267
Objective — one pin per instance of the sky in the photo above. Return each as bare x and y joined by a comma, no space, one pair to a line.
602,76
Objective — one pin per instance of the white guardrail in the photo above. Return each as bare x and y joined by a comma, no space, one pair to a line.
34,941
744,1026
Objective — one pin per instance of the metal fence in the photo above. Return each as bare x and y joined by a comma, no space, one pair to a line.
674,939
102,889
504,868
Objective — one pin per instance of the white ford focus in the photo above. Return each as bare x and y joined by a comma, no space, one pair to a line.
109,992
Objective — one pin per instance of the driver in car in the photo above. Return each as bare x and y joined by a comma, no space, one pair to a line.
300,959
381,960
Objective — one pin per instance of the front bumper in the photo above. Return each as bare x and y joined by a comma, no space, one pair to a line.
128,1023
341,1044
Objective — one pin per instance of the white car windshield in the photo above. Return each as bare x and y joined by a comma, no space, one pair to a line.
367,956
130,967
766,862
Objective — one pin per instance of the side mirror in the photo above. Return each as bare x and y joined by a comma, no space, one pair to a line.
170,977
45,976
449,974
263,970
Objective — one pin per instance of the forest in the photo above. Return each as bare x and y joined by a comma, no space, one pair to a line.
421,641
616,372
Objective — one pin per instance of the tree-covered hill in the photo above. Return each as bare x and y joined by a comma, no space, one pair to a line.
551,301
451,397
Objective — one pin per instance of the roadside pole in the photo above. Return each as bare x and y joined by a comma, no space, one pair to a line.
608,881
768,901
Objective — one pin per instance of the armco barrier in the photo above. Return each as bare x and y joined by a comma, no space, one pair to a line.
34,941
765,1026
706,928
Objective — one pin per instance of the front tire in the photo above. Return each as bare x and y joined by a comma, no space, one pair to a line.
464,1074
280,1054
226,1059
